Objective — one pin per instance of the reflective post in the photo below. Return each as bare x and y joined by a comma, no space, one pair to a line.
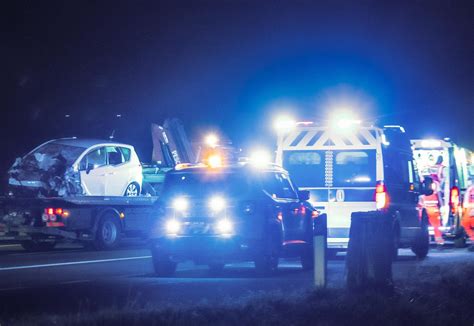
319,250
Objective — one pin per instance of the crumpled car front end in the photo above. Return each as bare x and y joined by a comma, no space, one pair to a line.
46,172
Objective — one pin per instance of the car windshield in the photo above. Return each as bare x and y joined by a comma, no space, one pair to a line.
202,184
54,150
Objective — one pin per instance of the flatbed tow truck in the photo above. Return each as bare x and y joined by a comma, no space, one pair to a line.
39,223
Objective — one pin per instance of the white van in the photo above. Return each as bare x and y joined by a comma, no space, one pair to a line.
356,168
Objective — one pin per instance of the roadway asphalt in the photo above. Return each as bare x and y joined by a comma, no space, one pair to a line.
71,279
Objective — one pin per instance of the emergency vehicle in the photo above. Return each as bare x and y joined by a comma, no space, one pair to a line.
348,167
238,212
448,164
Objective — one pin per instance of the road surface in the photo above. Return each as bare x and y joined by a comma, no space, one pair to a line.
70,278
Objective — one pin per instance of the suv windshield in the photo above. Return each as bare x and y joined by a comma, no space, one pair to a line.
203,183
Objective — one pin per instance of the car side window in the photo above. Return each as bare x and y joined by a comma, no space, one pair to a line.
114,155
278,186
95,159
127,153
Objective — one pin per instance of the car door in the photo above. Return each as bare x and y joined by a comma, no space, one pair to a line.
286,203
93,169
118,172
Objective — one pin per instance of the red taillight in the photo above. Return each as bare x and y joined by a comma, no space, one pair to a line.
454,199
58,211
381,196
49,211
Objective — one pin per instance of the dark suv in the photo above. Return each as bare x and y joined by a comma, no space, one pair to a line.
236,213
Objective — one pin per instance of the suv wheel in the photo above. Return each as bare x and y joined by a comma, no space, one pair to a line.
162,263
267,262
421,244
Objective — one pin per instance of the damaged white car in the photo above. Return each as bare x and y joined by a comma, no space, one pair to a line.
71,167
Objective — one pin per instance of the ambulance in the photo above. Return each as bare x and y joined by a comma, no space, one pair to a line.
449,163
350,167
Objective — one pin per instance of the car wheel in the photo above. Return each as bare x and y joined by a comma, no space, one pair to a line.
34,245
108,233
421,243
162,263
133,190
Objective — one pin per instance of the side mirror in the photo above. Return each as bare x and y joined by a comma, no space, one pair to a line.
89,168
303,195
427,186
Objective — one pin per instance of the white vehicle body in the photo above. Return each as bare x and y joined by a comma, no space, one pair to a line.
340,168
105,168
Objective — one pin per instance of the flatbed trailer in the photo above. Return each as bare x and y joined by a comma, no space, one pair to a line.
99,222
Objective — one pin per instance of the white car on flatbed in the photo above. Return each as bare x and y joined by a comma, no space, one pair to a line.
71,166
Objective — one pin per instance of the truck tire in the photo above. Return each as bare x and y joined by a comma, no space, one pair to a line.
33,245
421,243
162,263
108,233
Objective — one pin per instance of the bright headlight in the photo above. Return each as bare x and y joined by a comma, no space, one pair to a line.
225,226
172,226
180,204
217,204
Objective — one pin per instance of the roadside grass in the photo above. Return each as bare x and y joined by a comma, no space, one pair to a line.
444,300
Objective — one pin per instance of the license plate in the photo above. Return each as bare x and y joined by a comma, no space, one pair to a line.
198,228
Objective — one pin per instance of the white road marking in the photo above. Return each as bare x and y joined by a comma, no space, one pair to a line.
10,245
74,282
72,263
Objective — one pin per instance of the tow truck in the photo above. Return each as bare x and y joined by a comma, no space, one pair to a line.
454,170
39,223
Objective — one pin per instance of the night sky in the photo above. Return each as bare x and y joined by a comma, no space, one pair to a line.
230,66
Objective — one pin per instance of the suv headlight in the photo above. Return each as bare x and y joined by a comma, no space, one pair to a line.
181,204
172,226
217,204
225,226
